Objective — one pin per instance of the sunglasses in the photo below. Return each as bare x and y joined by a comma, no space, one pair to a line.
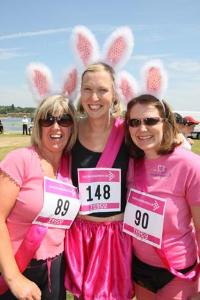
64,121
146,121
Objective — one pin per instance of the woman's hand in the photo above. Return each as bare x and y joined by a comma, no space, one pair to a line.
24,289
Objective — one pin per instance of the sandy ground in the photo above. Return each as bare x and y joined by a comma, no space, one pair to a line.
9,140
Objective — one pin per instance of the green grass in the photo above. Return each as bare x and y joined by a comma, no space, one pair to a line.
4,151
11,141
196,146
18,140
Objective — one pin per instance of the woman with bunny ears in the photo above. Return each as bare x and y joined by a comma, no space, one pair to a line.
38,201
164,186
98,253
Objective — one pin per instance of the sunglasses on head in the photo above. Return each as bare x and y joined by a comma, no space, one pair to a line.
151,121
64,121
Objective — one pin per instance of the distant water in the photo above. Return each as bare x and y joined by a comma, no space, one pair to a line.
11,124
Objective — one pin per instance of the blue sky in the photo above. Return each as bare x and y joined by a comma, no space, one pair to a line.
40,31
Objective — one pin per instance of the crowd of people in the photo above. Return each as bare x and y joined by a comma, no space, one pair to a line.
102,206
27,126
185,126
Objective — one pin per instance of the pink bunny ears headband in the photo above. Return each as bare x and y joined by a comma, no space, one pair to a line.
116,52
153,78
41,81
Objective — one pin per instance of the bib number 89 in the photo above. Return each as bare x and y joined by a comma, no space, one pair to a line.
62,207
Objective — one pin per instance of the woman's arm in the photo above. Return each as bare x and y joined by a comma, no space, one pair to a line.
19,285
195,210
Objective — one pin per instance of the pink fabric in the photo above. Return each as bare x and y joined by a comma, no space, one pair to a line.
113,145
177,289
175,177
26,251
98,255
98,261
23,166
190,275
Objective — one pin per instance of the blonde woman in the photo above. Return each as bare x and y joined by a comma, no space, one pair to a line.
36,270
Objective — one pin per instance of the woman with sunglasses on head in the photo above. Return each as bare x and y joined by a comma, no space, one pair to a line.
33,211
98,252
163,200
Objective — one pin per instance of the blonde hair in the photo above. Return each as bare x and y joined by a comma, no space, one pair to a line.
98,67
56,104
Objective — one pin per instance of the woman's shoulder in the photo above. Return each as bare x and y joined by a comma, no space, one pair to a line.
20,154
186,157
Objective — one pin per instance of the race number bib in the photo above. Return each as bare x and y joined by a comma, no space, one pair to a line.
61,204
99,190
144,217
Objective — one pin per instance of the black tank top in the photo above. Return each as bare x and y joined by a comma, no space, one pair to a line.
84,158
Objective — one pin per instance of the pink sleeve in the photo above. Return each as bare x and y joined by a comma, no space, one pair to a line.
15,166
193,183
130,174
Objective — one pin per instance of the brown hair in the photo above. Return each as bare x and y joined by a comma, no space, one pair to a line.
170,132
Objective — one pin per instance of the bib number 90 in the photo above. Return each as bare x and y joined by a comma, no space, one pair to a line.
141,219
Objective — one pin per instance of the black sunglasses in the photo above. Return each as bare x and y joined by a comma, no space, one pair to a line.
64,121
147,121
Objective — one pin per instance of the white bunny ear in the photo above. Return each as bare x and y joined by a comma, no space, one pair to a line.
126,86
154,78
85,45
70,83
118,47
40,80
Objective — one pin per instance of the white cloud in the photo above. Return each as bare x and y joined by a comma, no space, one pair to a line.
185,65
12,53
33,33
144,57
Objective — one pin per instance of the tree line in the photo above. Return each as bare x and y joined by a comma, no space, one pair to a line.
16,110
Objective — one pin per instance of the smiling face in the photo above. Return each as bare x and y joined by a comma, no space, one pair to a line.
97,93
54,138
147,138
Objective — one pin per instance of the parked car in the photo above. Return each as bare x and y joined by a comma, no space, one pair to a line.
196,133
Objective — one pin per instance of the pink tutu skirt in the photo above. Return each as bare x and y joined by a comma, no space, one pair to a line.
98,261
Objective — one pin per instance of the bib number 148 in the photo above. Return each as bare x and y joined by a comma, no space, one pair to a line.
101,191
